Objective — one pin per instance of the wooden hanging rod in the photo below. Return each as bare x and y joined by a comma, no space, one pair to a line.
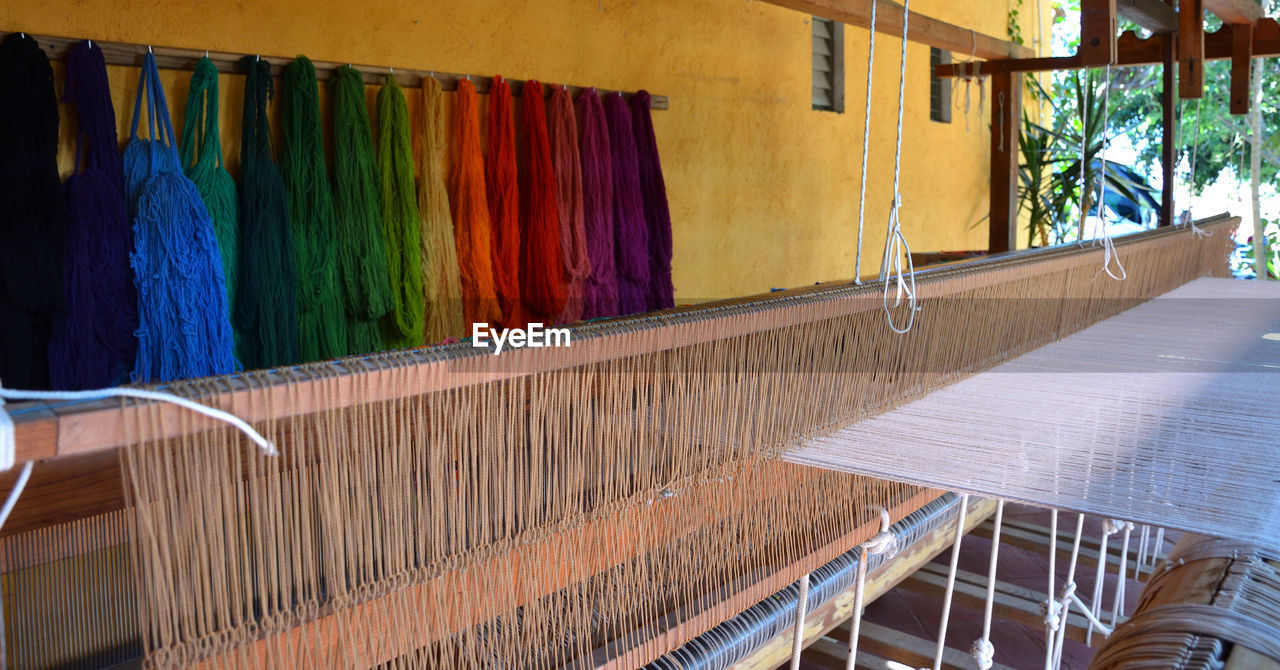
1131,51
920,28
173,58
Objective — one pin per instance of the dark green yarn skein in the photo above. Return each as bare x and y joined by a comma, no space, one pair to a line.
266,301
362,251
322,324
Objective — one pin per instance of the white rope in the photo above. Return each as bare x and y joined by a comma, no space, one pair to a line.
802,610
1068,592
884,542
1141,558
951,583
14,394
1051,606
983,651
1084,149
8,441
1108,245
17,491
1117,605
1186,219
895,243
866,144
1109,527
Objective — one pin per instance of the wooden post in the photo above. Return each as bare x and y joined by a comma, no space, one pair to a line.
1190,49
1241,65
1169,149
1006,119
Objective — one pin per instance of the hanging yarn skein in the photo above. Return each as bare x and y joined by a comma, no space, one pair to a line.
567,162
471,224
93,344
267,297
31,257
183,330
631,235
600,290
322,323
202,160
541,263
503,191
441,284
657,212
362,249
402,229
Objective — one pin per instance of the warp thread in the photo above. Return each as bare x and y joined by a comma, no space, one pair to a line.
31,256
204,165
542,262
401,225
93,343
657,212
362,249
267,295
503,191
322,324
471,224
567,162
600,291
183,329
441,285
631,235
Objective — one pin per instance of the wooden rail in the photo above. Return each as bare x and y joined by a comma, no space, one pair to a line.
174,58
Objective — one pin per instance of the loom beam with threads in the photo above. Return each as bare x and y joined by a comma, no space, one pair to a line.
527,531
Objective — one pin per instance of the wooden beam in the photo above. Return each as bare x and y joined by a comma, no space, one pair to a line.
1006,120
1154,15
1098,30
1235,11
1191,49
1169,125
921,28
173,58
1241,66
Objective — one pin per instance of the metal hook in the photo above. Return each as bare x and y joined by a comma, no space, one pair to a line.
90,43
468,77
149,49
206,53
23,35
257,58
391,71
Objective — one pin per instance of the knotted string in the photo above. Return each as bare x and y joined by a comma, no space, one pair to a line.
895,243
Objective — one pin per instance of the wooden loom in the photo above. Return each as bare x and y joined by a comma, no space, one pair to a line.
591,506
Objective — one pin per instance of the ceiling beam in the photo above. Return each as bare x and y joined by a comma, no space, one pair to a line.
920,28
1235,11
1134,51
1154,15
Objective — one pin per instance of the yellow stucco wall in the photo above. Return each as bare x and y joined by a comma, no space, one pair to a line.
763,189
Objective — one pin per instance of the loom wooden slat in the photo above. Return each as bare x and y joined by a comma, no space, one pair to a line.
174,58
1191,49
921,28
1241,65
1235,11
1097,32
79,428
1135,52
1154,15
880,580
603,533
65,489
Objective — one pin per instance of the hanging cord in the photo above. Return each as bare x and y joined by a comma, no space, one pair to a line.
895,243
1068,592
965,71
1052,608
866,142
951,582
1109,527
802,610
1186,218
1109,252
982,650
1117,605
1084,148
884,542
